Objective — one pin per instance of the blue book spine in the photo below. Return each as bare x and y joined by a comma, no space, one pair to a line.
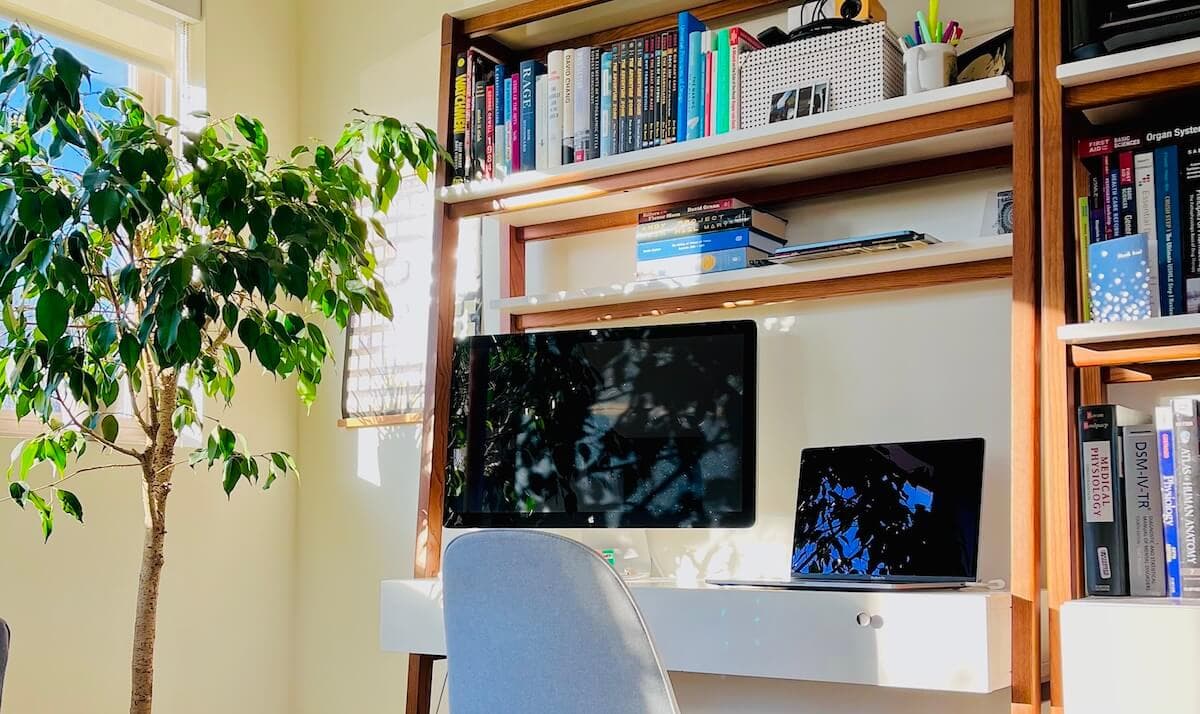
696,264
606,103
1164,422
693,244
508,124
500,84
1170,238
683,57
1120,281
693,112
703,101
530,69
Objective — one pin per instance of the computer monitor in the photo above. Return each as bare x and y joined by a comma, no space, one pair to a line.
902,512
631,427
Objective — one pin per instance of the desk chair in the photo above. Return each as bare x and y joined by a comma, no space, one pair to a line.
539,624
4,634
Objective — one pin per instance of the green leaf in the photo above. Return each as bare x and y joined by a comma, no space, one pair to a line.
109,427
131,351
17,490
248,333
70,504
52,314
43,509
188,340
168,327
129,282
293,185
233,474
103,336
105,207
232,360
70,71
267,350
229,315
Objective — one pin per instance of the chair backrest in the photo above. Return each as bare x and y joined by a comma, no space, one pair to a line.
539,624
4,637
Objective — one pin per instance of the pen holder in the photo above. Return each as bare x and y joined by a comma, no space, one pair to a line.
929,66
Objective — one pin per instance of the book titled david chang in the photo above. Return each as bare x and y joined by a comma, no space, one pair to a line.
1123,279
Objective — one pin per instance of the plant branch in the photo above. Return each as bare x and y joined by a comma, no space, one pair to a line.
90,434
72,475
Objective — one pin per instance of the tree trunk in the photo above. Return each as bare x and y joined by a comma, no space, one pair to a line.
157,470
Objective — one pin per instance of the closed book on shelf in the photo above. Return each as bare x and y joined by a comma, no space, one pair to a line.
1085,240
541,125
1122,282
1187,483
638,138
1189,188
1143,511
693,128
582,103
1170,247
514,125
1147,219
706,243
554,132
722,109
1102,498
760,221
691,209
688,26
594,104
1164,421
1127,195
489,168
458,134
478,130
740,42
568,107
855,245
500,83
606,77
698,263
530,71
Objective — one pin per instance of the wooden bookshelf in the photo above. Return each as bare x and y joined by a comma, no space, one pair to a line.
986,124
1080,360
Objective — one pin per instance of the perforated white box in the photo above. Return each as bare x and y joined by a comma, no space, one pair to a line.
863,66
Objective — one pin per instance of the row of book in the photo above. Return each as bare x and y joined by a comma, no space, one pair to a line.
1140,479
1141,220
585,103
707,237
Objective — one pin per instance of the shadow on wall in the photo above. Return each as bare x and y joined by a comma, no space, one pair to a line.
377,449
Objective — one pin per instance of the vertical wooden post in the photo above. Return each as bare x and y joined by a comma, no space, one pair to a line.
428,556
512,283
1058,383
1025,531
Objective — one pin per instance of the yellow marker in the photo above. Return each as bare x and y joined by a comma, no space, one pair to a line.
933,16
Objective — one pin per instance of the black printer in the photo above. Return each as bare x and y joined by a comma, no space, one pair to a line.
1098,27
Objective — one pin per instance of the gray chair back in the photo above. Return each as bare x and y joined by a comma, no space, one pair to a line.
4,637
539,624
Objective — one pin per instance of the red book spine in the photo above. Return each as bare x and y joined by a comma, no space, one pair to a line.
489,166
514,123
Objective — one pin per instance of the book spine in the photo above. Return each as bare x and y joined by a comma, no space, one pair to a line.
583,114
735,83
664,214
1147,222
682,68
1105,568
721,119
639,103
626,88
615,119
1085,239
458,139
1164,421
594,104
606,77
1187,462
702,223
698,264
1189,188
1095,201
1170,248
528,138
694,81
1143,512
1108,178
568,107
478,131
554,126
514,124
1126,195
656,95
500,83
542,122
489,101
699,243
710,74
674,110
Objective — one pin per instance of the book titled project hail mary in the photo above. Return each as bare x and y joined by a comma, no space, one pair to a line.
1122,282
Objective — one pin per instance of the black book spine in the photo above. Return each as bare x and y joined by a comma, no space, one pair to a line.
614,114
458,140
594,97
1106,570
672,82
1187,484
626,95
639,90
478,130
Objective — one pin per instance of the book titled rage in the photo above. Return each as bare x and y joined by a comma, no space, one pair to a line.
1123,281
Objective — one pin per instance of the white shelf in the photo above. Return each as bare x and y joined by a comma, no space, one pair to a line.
956,641
964,251
1129,63
1156,327
932,102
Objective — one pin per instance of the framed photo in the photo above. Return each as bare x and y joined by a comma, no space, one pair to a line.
805,100
783,106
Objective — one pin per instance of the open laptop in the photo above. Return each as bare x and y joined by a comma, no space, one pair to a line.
900,516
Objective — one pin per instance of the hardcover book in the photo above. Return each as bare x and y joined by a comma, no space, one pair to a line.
698,263
707,243
1106,570
688,68
606,77
515,162
1170,246
542,123
1143,511
458,138
1187,476
1122,285
554,109
1126,196
530,70
721,112
853,246
568,107
503,109
663,214
1189,189
582,103
760,221
1164,420
593,147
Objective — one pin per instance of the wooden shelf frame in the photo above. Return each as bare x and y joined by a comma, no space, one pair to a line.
1022,155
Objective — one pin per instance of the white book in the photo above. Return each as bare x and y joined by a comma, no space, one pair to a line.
568,107
1147,217
606,100
1143,511
581,95
541,120
554,126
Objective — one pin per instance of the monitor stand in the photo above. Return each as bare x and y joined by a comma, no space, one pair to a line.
626,549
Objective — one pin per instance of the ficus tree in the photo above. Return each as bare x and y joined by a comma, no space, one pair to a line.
134,272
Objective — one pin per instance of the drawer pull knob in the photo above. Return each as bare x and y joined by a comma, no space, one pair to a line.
863,619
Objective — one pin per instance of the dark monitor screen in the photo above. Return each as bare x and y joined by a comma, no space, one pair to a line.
890,511
642,427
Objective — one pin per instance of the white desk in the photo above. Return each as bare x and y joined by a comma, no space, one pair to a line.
936,640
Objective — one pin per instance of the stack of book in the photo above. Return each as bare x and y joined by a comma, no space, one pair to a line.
1139,224
1139,484
709,237
585,103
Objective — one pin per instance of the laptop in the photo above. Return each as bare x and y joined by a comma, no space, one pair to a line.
901,516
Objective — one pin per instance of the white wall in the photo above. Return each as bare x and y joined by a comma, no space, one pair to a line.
225,615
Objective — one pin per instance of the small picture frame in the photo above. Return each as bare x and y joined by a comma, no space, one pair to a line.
795,103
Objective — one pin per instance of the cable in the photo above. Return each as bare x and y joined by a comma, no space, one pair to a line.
438,708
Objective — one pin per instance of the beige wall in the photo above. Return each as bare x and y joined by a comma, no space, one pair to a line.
225,617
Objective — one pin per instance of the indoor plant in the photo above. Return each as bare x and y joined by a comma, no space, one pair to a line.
158,275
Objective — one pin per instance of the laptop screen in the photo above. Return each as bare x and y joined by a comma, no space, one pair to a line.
905,511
